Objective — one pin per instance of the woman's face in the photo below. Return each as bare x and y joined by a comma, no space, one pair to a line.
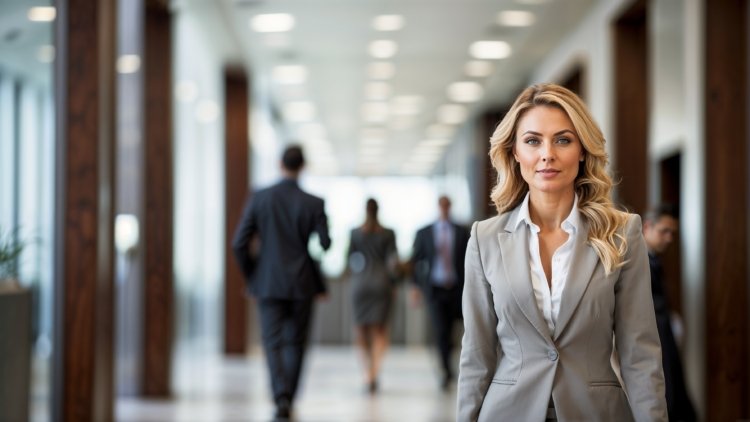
548,150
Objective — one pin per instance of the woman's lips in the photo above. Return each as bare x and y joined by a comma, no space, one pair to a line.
548,173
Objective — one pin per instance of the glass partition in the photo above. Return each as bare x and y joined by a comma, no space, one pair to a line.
27,152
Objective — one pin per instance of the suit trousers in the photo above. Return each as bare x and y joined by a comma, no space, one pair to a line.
445,309
285,325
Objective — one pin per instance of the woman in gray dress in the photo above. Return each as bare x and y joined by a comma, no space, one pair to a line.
373,261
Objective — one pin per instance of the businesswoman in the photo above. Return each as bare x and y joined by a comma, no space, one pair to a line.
373,261
557,281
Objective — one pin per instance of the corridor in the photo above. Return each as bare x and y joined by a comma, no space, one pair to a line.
213,389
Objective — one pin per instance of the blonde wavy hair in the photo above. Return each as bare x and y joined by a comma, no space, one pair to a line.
593,184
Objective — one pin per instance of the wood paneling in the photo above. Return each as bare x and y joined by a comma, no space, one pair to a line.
726,154
573,80
158,288
670,169
631,108
83,371
236,184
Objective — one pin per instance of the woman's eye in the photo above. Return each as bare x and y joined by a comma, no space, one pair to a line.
563,140
532,141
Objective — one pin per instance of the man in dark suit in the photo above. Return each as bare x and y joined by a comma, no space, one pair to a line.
283,276
438,263
659,226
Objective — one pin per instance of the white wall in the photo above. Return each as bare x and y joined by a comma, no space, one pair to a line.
199,182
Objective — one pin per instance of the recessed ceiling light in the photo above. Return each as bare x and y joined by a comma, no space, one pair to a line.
383,49
388,22
451,114
516,18
42,14
381,70
465,92
272,22
478,68
490,50
128,63
289,74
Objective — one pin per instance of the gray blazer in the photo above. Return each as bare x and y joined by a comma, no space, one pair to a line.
511,364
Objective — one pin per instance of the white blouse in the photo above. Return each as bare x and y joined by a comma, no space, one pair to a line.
549,301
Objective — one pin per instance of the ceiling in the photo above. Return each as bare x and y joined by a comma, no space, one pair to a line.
330,39
25,47
399,132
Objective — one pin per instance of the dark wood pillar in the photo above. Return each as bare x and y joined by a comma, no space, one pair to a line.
726,152
84,91
158,288
631,107
236,139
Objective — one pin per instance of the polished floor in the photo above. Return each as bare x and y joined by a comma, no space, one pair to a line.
235,389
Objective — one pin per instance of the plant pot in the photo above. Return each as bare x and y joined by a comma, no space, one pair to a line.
15,351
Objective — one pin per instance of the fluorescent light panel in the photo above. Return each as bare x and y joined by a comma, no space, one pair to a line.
289,74
388,22
381,70
383,49
272,22
465,92
452,114
42,14
490,50
128,63
516,18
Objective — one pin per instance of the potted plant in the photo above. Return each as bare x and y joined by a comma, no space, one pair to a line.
15,332
11,247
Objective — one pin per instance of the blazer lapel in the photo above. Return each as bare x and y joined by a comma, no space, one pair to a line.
514,245
581,269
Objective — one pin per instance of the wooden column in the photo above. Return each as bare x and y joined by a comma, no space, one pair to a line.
158,288
236,139
631,107
726,152
84,91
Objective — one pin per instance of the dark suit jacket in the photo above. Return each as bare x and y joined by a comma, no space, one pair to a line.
283,217
424,255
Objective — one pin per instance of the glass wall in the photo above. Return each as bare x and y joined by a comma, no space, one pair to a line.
27,154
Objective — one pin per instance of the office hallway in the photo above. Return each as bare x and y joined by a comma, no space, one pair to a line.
235,389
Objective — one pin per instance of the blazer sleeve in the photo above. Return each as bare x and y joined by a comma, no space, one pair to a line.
636,337
321,226
480,347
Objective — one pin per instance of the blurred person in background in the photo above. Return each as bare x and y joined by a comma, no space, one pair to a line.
283,276
659,228
372,271
558,281
438,265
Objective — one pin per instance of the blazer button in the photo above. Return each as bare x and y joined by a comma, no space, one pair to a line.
552,355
